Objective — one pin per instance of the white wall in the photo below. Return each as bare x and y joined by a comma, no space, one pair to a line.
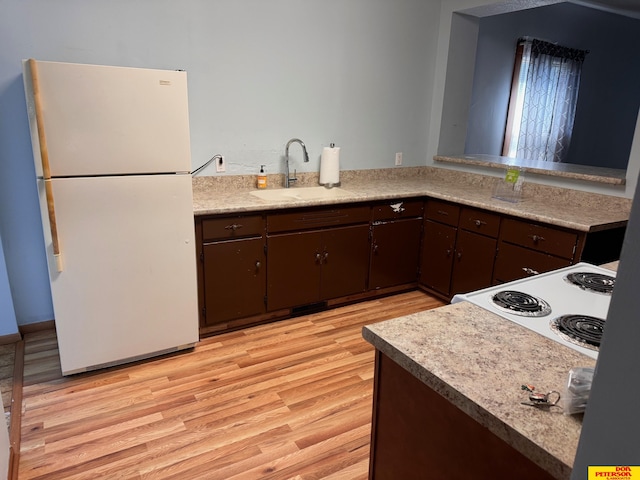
358,73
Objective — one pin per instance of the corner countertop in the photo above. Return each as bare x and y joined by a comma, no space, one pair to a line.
478,361
573,209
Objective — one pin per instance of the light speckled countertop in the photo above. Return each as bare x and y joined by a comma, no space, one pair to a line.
612,176
572,209
478,361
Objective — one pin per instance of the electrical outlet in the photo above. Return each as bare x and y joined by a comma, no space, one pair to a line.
398,158
221,164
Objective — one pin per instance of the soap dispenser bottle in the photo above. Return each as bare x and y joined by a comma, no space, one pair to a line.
262,178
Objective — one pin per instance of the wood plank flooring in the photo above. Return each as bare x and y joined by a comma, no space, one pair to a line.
287,400
7,356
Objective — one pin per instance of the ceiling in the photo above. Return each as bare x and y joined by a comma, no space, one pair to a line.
630,8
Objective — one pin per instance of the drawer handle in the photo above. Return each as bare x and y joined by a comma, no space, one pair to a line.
442,212
536,238
530,271
479,223
233,226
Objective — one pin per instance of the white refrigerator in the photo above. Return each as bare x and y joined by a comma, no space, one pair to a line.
112,156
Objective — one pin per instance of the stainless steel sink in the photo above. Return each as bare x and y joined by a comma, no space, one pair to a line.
301,193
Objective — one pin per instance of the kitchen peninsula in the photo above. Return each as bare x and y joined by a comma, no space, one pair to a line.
447,397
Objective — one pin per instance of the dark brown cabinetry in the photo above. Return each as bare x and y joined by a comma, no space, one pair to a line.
438,243
234,268
258,267
417,430
458,248
527,249
396,230
315,255
475,250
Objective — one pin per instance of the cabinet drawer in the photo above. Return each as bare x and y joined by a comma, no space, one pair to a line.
232,227
479,221
515,262
442,212
317,218
397,209
540,238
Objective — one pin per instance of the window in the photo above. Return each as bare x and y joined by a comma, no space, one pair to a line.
542,106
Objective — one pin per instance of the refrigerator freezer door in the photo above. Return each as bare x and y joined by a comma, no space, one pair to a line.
103,120
128,289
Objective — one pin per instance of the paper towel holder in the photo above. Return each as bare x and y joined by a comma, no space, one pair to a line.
334,177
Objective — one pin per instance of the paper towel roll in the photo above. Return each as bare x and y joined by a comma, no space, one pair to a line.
330,166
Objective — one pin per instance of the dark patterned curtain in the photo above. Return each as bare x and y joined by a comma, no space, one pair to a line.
540,47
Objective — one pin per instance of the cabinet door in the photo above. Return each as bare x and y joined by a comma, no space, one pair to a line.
234,273
418,433
514,262
473,262
395,253
437,256
294,269
345,261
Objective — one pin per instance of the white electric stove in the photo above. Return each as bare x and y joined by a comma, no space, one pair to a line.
568,305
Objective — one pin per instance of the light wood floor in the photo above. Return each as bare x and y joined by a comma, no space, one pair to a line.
288,400
7,356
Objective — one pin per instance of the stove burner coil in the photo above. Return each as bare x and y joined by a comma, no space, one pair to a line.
582,330
594,282
520,303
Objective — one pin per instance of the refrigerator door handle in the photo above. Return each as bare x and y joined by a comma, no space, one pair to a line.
46,170
57,254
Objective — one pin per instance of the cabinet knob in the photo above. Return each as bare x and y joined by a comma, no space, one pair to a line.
258,265
233,226
325,255
459,255
530,271
448,252
536,238
479,223
318,257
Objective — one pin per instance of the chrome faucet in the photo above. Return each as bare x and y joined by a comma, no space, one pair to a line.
287,179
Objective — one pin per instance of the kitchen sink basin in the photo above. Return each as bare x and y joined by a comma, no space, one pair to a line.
301,193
